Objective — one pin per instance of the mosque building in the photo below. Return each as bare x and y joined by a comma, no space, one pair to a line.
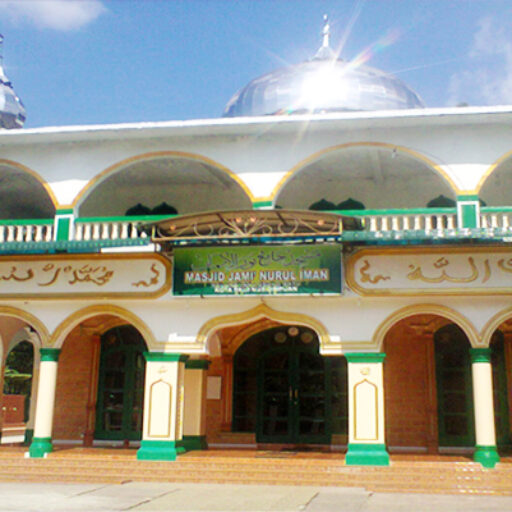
326,266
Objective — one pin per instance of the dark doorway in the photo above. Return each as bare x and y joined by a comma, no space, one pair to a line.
120,385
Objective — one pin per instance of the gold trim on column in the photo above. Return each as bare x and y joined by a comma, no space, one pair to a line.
150,410
376,390
66,326
427,309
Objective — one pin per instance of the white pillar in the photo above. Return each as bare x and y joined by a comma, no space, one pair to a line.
485,431
162,431
366,427
194,424
42,441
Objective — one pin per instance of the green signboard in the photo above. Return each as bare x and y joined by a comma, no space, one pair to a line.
258,270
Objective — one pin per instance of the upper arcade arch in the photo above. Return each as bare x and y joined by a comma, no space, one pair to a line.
60,334
379,175
188,182
426,309
495,186
262,315
23,193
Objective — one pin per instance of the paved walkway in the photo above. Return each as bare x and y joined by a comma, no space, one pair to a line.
33,497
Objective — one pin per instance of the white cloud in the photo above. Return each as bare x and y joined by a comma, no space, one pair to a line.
488,79
61,15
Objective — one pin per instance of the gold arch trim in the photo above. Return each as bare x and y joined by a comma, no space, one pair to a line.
66,326
426,309
493,324
315,156
491,169
257,313
34,174
82,195
30,319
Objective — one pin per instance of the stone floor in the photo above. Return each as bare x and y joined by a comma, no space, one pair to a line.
134,496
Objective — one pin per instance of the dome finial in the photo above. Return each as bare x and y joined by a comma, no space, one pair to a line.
325,52
326,32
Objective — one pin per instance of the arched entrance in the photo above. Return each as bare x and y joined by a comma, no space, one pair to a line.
120,385
454,387
285,391
428,385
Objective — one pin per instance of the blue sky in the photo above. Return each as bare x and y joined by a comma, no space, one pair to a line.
112,61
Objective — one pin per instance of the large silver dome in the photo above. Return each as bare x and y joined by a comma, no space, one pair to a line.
322,84
12,111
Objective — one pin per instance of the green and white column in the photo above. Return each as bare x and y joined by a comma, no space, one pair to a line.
42,441
162,431
485,431
194,424
366,438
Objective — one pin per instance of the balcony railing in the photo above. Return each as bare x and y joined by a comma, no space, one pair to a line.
26,230
496,219
431,223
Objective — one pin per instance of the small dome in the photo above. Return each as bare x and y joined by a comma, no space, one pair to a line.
322,84
12,111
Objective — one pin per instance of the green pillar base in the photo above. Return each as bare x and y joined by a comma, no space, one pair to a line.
194,443
366,454
29,435
486,455
40,447
159,450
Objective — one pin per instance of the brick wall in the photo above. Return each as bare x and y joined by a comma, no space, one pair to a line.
72,388
405,387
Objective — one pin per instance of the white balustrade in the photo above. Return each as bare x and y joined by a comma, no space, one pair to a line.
108,230
26,233
418,222
496,220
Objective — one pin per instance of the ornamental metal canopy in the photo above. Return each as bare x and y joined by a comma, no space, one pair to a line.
251,225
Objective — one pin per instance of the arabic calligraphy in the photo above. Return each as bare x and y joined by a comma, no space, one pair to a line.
484,271
366,278
152,281
233,261
98,275
441,264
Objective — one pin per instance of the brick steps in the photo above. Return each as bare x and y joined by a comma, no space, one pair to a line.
402,476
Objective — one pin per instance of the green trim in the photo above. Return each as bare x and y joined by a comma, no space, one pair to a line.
365,357
261,204
159,450
393,211
63,225
469,215
29,436
40,447
194,443
480,355
64,211
197,364
156,357
486,455
49,354
489,209
126,218
470,197
366,454
26,222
